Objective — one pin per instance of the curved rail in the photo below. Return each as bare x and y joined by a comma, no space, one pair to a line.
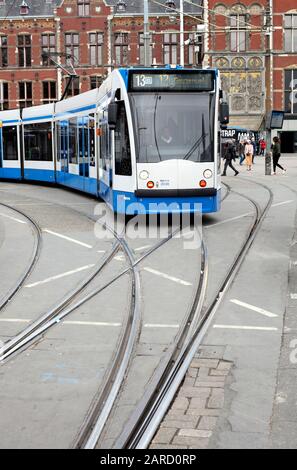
33,260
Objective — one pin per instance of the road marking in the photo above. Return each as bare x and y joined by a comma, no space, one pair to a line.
13,218
14,320
293,296
119,258
68,322
282,203
142,248
157,325
238,327
59,276
166,276
90,323
229,220
101,251
255,309
68,238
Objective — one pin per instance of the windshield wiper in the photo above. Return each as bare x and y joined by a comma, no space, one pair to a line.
195,146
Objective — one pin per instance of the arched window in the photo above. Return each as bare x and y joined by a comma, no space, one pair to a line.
238,28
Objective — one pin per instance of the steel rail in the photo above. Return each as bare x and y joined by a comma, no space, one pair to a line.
33,259
148,415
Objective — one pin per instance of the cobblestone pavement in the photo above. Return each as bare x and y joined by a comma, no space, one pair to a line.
193,416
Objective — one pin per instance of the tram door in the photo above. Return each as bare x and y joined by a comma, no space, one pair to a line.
63,146
86,142
105,147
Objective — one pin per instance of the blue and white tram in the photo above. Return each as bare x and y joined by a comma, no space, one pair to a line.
145,142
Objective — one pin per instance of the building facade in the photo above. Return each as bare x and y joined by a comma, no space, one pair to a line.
237,46
88,37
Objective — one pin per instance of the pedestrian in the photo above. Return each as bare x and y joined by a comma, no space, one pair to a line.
276,153
241,147
262,147
230,154
253,142
249,152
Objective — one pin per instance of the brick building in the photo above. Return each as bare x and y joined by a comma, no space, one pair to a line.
24,30
284,66
237,46
94,33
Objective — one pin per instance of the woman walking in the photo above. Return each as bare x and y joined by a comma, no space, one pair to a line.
276,153
249,152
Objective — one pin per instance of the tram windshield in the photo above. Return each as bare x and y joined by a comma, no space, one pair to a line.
174,126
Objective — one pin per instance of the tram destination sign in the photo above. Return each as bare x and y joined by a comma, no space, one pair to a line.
171,81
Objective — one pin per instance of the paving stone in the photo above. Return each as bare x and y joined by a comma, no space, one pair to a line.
223,365
189,423
209,378
216,399
164,435
207,423
198,402
203,371
203,412
205,363
191,392
192,372
189,382
216,372
208,383
167,446
194,433
191,442
180,403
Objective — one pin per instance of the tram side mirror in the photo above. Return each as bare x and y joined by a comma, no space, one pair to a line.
112,114
224,113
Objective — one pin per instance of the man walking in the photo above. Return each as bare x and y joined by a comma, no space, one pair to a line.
230,154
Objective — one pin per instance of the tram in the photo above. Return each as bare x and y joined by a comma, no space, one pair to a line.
145,142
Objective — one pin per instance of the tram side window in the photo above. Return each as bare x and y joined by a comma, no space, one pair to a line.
38,142
105,148
123,164
73,141
10,143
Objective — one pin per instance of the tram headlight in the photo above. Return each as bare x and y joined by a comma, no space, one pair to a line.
207,174
144,175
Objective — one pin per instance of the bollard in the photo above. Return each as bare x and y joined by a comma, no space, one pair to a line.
268,163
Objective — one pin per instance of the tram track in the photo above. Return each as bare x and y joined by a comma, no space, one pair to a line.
33,259
145,420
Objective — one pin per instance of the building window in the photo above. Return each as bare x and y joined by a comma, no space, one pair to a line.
121,48
73,89
290,32
237,33
191,49
96,81
83,7
25,94
3,51
96,48
170,48
4,101
141,49
24,50
49,92
291,91
48,45
72,47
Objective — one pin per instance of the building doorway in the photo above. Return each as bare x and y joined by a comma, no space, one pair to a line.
288,142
